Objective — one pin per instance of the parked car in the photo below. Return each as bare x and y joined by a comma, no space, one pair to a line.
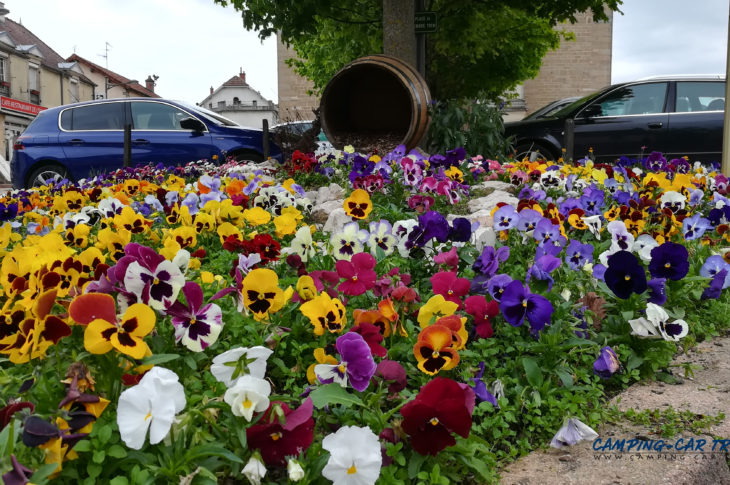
78,140
550,108
676,115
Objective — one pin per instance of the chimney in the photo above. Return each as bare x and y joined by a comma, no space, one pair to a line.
3,12
242,74
211,90
150,84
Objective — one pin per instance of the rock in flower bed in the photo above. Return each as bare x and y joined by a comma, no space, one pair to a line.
190,325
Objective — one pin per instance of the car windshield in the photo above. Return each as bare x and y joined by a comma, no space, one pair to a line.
218,119
569,109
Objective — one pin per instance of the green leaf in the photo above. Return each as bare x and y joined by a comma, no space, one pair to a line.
104,433
83,445
99,456
414,465
93,470
43,472
119,481
565,377
198,452
634,362
532,371
116,451
334,394
159,359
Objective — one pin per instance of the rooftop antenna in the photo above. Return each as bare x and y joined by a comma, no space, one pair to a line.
105,55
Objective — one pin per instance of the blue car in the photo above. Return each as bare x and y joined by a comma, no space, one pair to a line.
84,139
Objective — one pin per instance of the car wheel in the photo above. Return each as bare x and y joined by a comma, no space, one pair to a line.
248,157
533,151
47,174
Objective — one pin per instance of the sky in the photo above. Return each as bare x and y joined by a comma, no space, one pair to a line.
195,44
190,44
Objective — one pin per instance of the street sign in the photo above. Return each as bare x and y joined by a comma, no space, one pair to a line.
425,22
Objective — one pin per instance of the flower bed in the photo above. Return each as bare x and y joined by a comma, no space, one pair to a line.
190,325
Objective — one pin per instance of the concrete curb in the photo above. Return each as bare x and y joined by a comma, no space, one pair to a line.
707,393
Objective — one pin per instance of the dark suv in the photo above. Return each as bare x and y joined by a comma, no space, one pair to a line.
675,115
79,140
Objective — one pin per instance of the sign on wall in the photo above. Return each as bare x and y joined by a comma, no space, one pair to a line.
22,106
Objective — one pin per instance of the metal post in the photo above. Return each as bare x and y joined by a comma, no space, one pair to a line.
725,168
127,144
265,141
421,43
569,139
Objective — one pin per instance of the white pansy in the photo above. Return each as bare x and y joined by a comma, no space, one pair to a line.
150,405
248,395
294,470
224,365
355,457
254,470
572,431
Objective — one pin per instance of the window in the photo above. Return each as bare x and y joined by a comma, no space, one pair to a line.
4,77
34,83
106,116
236,101
73,88
700,96
639,99
156,116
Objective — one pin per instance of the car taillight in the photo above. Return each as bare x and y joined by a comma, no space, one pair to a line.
18,145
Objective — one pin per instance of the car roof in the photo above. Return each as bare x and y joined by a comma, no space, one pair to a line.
684,77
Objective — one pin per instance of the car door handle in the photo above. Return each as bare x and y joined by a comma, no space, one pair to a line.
141,141
76,141
657,124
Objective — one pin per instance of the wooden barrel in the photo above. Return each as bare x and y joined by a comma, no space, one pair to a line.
375,99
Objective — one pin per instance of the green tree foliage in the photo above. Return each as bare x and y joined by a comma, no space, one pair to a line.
481,48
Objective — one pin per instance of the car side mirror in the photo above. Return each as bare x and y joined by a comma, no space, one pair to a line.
592,111
192,124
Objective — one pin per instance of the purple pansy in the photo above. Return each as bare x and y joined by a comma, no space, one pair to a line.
657,291
607,363
151,278
356,363
518,303
497,284
505,218
528,219
196,325
480,388
542,268
488,261
669,260
578,254
694,227
714,290
713,265
624,274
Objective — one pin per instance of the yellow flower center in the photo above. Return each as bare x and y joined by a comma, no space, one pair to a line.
275,436
247,403
435,354
450,292
627,277
342,368
524,303
149,415
352,470
668,265
156,281
354,278
434,421
192,321
261,296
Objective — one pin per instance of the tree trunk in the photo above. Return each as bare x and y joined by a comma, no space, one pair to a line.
399,36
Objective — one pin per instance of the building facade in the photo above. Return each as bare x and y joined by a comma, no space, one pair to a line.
111,85
236,100
576,68
33,77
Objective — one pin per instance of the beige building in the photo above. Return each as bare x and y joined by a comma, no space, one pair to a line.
33,77
111,85
576,68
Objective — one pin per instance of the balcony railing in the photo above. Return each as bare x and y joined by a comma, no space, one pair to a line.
243,107
5,89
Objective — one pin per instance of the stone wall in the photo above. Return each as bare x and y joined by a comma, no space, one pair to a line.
577,68
294,102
